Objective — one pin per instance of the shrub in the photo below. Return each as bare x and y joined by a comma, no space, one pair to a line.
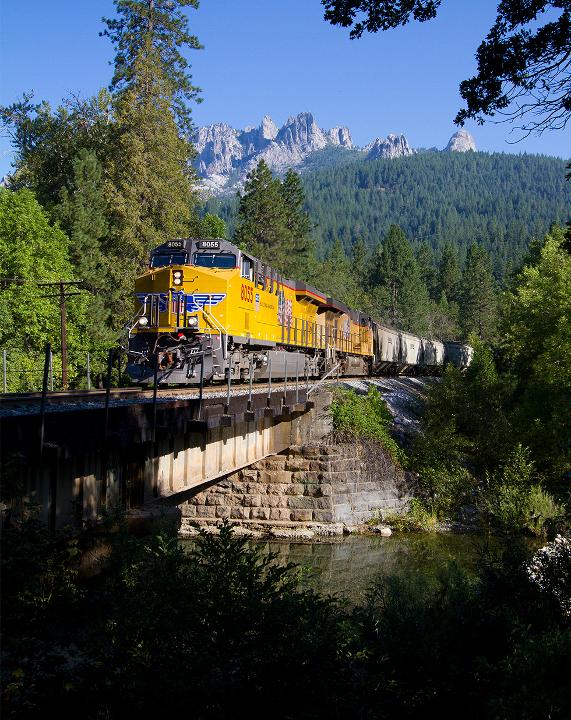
446,488
513,501
417,518
365,417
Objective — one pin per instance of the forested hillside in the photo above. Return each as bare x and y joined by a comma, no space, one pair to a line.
502,201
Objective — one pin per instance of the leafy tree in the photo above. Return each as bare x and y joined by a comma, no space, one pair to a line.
48,142
523,65
33,251
154,32
211,226
537,342
478,303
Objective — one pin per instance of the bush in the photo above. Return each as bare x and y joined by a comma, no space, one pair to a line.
417,518
446,488
512,501
365,417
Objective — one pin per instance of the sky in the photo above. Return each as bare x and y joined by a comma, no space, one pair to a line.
277,58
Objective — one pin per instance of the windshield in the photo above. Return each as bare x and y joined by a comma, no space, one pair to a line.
226,261
165,259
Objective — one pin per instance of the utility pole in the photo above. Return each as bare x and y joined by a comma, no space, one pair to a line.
62,295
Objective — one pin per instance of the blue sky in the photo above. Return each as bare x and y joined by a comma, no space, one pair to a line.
276,57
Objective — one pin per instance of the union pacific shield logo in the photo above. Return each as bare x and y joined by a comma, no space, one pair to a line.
198,302
194,303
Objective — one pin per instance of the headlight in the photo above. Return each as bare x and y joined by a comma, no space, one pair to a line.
177,277
193,321
143,321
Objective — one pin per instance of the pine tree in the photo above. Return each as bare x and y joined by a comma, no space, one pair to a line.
300,248
393,262
151,185
262,218
336,274
426,267
83,215
449,274
151,189
154,31
478,303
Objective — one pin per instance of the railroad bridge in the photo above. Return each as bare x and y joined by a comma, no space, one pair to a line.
77,456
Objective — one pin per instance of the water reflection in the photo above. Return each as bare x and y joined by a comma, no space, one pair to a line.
347,566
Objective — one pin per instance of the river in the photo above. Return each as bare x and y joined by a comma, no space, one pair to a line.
347,566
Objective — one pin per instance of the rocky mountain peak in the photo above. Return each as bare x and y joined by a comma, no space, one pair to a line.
461,141
302,134
393,146
269,128
226,155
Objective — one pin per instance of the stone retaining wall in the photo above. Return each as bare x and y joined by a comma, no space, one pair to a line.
326,488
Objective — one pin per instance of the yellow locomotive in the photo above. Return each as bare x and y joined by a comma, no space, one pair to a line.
206,309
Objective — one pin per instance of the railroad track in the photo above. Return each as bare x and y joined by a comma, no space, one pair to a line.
11,403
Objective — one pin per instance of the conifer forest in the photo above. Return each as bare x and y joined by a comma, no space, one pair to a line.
454,246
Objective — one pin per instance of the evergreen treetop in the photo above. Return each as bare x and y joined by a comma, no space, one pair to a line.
154,31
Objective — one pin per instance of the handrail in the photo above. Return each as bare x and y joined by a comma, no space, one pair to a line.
128,327
318,383
218,326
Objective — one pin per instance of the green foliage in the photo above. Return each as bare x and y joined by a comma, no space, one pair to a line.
228,628
400,295
477,297
34,251
48,142
417,518
449,274
154,33
536,341
513,500
273,225
365,417
445,488
261,224
423,194
211,226
115,170
223,623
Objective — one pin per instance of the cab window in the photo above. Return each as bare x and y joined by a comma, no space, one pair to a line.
225,261
247,268
164,259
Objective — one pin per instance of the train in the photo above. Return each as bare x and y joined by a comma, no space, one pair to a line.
208,311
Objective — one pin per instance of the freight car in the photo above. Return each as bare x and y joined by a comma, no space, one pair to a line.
205,308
